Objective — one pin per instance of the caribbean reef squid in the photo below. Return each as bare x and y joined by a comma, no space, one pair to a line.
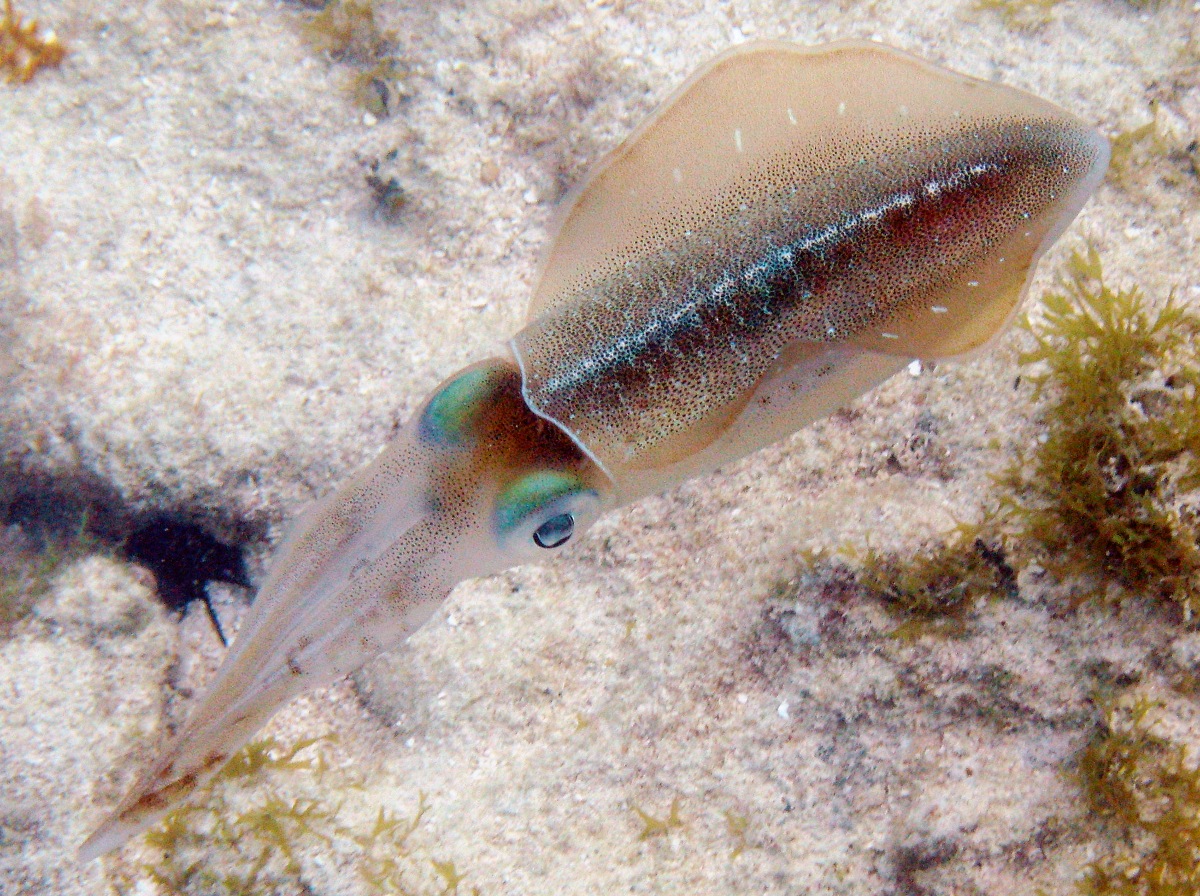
790,229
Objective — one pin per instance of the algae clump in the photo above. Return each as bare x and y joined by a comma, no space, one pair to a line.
26,47
658,827
930,591
347,30
1110,492
1021,15
1147,789
302,806
934,590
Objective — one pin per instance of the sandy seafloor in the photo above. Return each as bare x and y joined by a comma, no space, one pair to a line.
202,313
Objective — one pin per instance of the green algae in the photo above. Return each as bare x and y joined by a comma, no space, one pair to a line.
653,826
1108,493
1020,15
930,591
737,825
236,844
348,31
1160,151
26,47
1132,147
934,590
1108,496
1146,790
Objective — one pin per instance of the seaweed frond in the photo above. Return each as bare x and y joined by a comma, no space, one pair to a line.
1109,491
1020,15
215,847
378,88
658,827
737,825
348,32
25,47
257,846
1132,148
934,591
449,874
269,754
1147,789
385,849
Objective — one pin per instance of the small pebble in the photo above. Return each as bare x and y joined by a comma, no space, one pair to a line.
1185,651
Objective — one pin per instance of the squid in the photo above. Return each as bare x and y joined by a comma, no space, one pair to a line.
791,228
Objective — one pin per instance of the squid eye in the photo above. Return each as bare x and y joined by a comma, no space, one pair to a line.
555,531
543,509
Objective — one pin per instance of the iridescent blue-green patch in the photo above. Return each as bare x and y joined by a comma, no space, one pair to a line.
531,493
449,417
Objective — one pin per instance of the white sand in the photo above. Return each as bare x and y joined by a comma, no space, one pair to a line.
203,311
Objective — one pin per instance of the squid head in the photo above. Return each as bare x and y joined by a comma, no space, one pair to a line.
474,484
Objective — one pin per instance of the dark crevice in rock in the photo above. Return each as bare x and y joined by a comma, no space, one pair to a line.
912,860
58,510
184,547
